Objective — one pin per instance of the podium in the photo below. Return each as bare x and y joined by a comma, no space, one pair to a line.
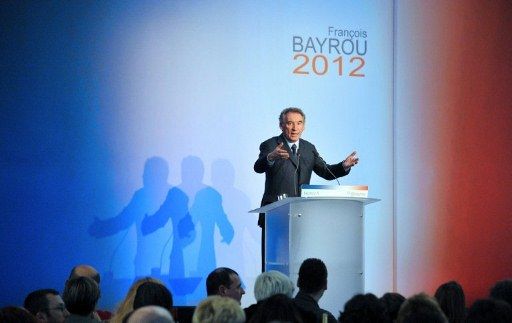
331,229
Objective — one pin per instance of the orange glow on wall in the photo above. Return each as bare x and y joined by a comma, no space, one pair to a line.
464,98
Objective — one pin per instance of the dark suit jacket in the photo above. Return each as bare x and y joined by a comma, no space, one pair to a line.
307,304
286,176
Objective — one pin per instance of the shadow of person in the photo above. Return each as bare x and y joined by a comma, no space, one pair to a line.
206,213
145,200
240,253
207,210
176,208
194,209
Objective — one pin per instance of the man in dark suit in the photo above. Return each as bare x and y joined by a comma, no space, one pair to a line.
312,283
288,161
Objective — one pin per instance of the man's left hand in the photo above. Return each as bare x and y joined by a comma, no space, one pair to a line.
350,161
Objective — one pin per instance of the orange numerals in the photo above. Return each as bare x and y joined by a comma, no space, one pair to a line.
320,65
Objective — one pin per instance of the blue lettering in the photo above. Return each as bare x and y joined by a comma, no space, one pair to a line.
297,44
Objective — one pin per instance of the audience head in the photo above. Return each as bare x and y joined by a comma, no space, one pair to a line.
217,309
224,282
277,308
421,308
81,296
150,314
502,290
489,310
126,306
363,308
85,271
312,276
392,303
46,305
152,293
13,314
450,297
270,283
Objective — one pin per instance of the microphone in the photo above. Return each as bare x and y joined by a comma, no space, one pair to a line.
327,167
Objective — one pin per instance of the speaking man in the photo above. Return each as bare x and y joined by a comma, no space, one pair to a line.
288,161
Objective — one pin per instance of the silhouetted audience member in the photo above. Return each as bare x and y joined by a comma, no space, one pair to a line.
224,282
91,272
269,283
489,311
312,283
81,296
150,314
13,314
218,309
392,303
46,305
152,293
85,271
277,308
126,305
421,308
361,308
502,290
450,297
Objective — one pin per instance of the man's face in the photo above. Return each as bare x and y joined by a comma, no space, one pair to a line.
56,311
293,126
235,290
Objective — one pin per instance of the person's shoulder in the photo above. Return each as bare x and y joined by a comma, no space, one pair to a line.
272,142
304,300
306,146
273,139
305,142
209,192
330,317
250,311
177,195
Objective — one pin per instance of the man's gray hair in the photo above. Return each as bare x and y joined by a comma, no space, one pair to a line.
288,110
272,282
151,314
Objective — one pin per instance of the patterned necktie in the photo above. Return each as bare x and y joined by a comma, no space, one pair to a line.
294,149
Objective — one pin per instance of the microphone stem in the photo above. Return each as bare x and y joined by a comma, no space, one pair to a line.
296,180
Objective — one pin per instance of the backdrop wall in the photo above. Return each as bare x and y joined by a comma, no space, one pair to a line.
114,111
130,129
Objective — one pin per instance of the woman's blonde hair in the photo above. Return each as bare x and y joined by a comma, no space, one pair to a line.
126,306
217,309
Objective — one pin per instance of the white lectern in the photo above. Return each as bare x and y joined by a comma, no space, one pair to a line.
331,229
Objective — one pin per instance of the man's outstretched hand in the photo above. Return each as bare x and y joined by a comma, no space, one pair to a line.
350,161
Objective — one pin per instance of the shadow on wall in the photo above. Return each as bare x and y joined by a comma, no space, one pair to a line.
194,209
247,233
